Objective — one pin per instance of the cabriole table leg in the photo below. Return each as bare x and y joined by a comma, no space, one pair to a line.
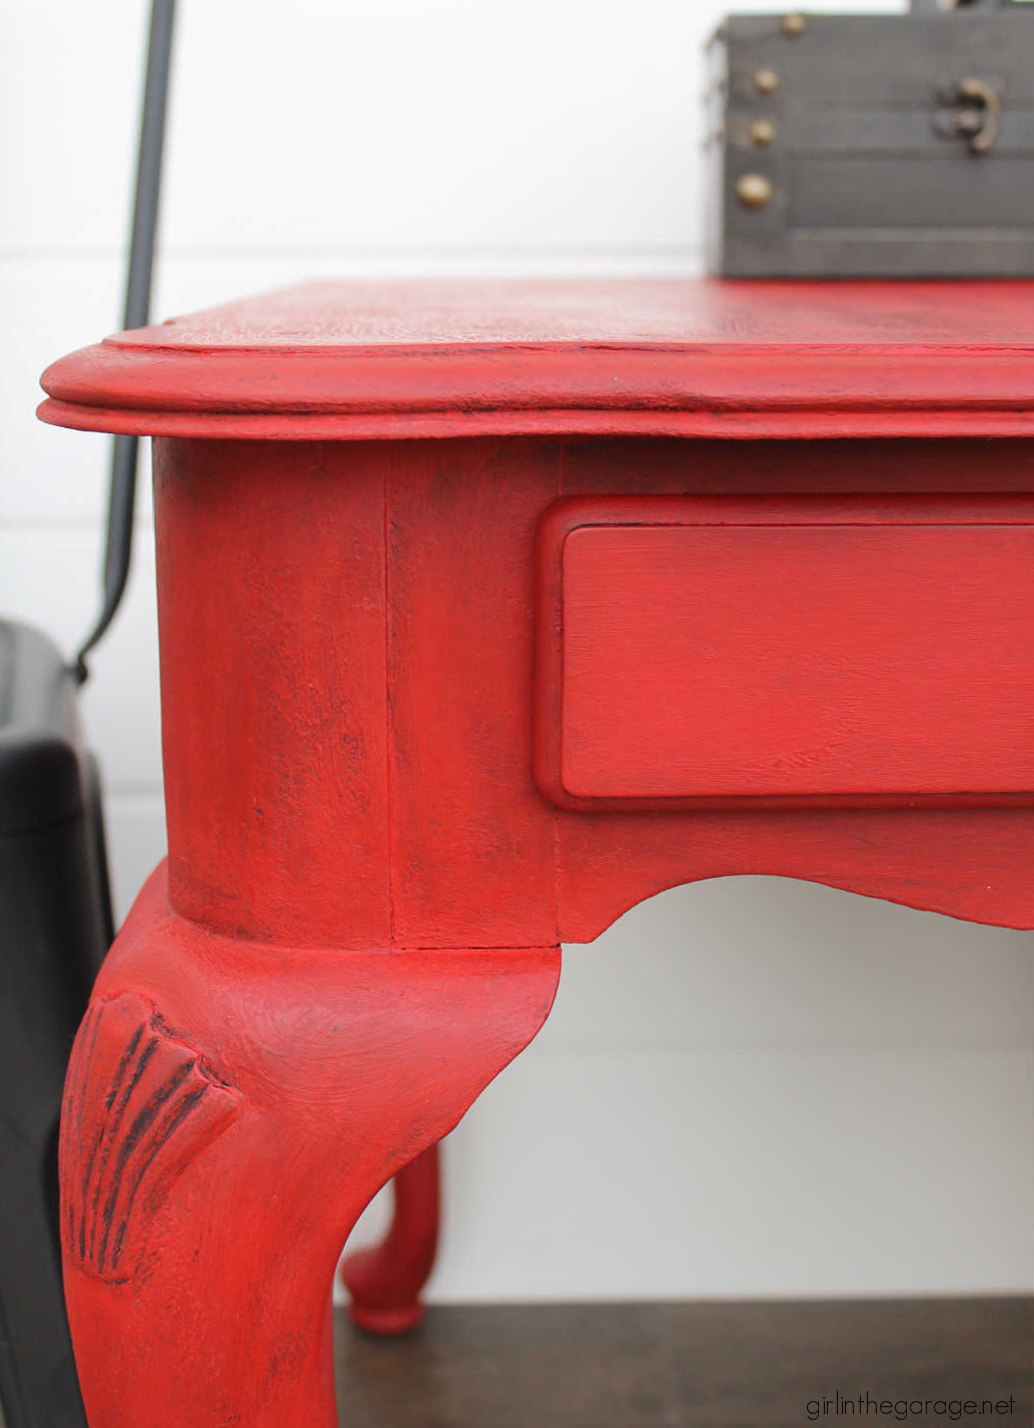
385,1281
230,1109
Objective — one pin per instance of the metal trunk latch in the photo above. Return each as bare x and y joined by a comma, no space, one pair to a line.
973,111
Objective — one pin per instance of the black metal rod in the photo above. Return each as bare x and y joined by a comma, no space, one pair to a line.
122,488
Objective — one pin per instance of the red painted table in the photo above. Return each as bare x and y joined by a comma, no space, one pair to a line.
486,611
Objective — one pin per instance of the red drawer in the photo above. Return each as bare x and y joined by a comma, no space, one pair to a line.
700,650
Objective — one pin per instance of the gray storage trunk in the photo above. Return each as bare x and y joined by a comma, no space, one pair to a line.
874,145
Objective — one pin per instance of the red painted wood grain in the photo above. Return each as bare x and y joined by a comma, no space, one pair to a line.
384,1281
645,356
472,841
271,572
891,662
430,706
367,613
338,1070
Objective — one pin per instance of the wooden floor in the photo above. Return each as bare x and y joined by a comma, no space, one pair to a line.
716,1365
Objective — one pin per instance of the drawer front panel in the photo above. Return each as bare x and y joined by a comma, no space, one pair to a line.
839,653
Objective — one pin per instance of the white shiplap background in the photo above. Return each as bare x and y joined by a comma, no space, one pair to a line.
749,1087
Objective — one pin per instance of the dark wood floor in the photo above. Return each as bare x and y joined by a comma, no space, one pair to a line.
715,1365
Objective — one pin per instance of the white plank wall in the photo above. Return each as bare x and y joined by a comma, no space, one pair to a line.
749,1087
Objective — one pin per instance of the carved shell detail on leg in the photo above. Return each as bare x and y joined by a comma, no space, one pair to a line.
140,1106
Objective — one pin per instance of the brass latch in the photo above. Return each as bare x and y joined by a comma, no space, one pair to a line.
973,111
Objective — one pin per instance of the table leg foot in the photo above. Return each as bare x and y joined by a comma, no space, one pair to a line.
230,1110
385,1281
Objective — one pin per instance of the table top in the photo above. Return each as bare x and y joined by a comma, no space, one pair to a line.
639,356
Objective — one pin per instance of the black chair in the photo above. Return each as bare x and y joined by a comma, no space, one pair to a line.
55,926
55,905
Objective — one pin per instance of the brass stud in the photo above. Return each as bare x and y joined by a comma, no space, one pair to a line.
763,132
793,25
766,81
753,190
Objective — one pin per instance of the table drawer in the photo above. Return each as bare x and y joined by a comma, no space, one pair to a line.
700,650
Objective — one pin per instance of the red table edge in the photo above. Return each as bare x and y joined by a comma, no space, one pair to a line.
316,393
